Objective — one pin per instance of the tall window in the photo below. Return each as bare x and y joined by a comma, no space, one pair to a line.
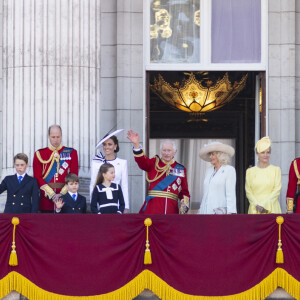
175,31
235,33
205,32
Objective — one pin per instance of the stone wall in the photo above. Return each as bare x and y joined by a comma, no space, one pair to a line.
282,101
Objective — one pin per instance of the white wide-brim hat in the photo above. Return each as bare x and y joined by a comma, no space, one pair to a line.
215,147
108,136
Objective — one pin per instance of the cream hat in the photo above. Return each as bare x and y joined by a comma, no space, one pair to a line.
263,144
215,146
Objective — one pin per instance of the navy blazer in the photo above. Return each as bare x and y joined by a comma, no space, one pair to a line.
73,207
23,197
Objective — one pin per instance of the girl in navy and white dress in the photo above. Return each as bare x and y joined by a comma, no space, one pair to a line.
110,145
107,197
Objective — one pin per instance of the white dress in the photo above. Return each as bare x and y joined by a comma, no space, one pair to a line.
121,174
219,190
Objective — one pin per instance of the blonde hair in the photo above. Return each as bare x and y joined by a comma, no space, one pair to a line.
223,158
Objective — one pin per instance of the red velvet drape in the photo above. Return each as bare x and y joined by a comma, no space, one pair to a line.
82,255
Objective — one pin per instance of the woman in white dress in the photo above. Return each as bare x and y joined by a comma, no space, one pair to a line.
219,195
110,148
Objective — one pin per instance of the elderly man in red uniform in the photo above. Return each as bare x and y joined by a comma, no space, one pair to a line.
293,187
168,187
50,167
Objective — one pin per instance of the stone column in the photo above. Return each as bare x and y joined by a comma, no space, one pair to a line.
281,100
51,74
130,100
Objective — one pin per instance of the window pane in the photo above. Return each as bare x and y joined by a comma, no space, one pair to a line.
236,31
175,31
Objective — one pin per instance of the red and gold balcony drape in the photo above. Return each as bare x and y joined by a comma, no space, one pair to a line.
193,257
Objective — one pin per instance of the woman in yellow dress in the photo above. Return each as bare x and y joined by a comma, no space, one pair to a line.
263,182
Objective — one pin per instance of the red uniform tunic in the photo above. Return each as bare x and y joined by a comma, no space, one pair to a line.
50,167
292,185
167,200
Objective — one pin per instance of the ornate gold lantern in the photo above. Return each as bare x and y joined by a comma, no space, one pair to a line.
197,96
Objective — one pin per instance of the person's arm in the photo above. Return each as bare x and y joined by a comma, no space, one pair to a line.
121,200
124,184
74,166
184,195
141,159
38,175
94,172
230,190
292,188
35,197
273,197
134,138
59,205
94,201
3,186
249,193
84,206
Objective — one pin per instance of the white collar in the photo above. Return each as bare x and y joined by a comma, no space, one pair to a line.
18,175
71,194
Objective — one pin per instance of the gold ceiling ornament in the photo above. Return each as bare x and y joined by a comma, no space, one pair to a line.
197,96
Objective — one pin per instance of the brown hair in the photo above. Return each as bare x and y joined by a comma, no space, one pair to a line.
21,156
116,142
71,177
103,170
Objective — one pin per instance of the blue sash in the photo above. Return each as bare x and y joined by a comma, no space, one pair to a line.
61,161
163,184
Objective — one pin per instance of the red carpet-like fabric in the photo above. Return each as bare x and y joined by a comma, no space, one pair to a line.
85,255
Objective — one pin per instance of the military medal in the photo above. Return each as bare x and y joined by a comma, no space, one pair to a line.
65,165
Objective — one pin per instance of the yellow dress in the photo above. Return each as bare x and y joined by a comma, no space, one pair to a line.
263,187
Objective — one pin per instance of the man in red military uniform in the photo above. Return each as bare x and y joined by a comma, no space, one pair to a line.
168,187
293,186
50,167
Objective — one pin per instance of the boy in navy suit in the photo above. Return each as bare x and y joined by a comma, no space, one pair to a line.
23,195
71,202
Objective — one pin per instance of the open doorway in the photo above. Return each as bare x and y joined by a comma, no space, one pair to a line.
235,124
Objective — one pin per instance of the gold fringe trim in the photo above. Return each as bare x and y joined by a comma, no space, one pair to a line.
148,280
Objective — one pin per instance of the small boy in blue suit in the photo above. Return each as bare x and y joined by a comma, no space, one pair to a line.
71,202
23,194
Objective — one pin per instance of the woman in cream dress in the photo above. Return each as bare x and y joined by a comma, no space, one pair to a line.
219,195
263,182
110,145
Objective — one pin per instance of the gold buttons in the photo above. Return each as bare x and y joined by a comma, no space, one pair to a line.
73,208
21,203
22,196
79,208
14,195
13,203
